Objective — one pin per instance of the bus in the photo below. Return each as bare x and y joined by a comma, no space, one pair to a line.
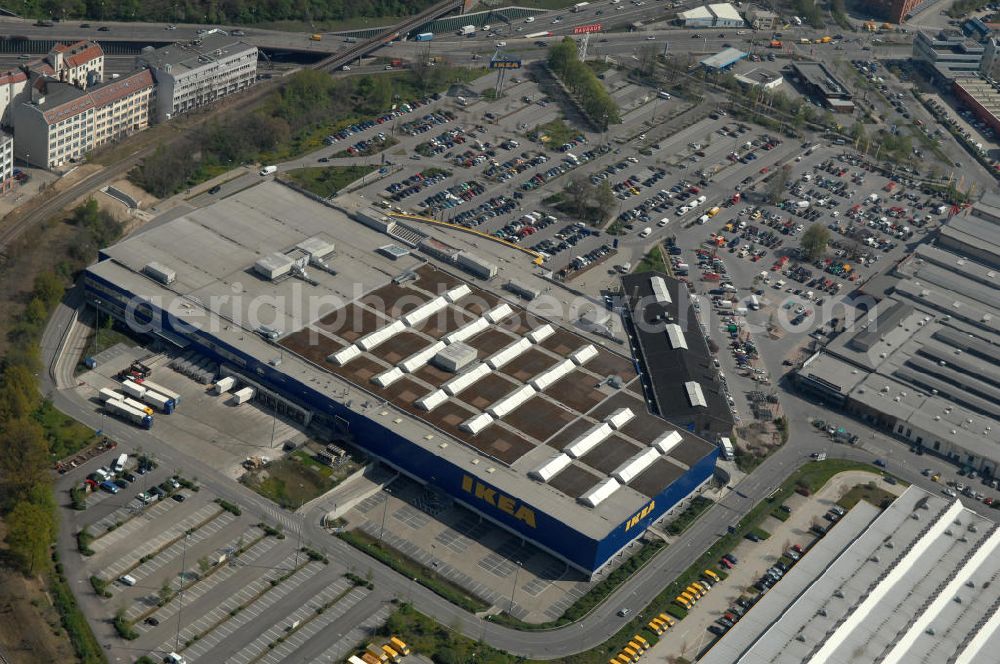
683,601
712,575
642,642
399,646
580,6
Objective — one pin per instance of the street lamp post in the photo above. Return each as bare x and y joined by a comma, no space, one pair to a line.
97,327
517,569
180,606
385,511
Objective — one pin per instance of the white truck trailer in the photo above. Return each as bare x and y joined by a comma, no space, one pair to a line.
129,414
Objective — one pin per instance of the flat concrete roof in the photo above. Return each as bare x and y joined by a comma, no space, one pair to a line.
903,586
204,49
213,251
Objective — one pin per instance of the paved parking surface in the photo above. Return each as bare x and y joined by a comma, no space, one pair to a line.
256,597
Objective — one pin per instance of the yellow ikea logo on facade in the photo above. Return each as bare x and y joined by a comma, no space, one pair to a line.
640,515
504,503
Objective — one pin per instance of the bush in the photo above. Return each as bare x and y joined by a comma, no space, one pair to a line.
229,507
83,541
312,554
271,531
88,650
100,586
124,627
78,498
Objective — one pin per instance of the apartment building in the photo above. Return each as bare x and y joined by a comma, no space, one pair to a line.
12,84
61,122
6,163
196,73
80,64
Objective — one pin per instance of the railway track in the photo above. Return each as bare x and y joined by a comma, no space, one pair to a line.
338,59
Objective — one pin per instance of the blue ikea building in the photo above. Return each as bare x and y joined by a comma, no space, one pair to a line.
550,439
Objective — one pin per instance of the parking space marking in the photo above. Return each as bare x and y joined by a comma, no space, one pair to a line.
178,547
254,589
199,589
309,630
114,570
252,651
349,642
127,529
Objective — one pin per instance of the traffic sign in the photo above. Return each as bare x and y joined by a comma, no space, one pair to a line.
505,64
584,29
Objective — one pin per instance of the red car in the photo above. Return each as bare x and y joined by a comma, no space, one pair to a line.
725,563
796,548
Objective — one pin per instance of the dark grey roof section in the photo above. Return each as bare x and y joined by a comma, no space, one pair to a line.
885,320
666,369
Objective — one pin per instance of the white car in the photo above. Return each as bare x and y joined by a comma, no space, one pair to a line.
345,68
530,19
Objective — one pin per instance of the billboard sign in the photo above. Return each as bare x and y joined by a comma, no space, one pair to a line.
505,64
584,29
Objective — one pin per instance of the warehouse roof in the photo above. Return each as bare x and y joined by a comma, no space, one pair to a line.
658,328
726,11
366,332
696,13
854,595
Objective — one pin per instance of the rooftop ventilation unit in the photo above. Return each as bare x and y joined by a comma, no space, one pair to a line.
694,394
676,336
159,272
600,493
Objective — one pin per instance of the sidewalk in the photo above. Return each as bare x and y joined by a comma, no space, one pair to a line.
691,634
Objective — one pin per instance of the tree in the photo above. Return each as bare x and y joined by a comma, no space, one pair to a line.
18,394
577,194
814,241
604,198
24,459
29,527
776,185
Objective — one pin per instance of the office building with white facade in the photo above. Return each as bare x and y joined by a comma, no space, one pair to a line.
196,73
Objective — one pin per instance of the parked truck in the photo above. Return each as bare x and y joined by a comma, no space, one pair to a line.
424,36
466,30
132,389
138,405
150,385
159,401
728,451
129,414
108,394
